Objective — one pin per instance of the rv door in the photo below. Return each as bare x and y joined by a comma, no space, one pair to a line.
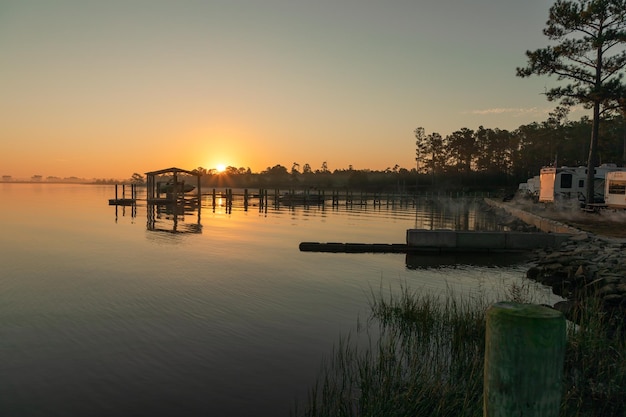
546,180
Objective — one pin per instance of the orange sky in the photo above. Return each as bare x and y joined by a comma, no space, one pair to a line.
106,89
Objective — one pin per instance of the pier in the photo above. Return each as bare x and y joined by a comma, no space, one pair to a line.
275,197
123,201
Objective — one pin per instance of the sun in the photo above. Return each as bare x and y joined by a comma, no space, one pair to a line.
220,167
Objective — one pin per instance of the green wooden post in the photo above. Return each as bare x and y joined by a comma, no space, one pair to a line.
524,354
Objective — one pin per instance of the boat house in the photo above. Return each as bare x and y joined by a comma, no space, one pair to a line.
172,185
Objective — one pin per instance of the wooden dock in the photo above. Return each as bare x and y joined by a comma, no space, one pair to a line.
123,201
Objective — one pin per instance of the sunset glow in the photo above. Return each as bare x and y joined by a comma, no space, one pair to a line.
255,84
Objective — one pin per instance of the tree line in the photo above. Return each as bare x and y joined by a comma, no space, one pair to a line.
466,159
500,156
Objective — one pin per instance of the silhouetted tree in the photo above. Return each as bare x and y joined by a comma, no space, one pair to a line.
137,178
420,149
435,151
462,149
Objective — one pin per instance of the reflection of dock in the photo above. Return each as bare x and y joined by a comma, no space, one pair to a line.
171,218
171,194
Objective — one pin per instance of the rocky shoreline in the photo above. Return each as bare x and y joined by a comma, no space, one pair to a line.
586,267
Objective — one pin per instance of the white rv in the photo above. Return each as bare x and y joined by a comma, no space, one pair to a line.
615,190
569,182
531,187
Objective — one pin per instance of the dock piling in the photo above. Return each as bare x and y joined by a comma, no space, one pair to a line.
524,356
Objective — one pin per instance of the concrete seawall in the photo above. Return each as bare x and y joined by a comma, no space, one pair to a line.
543,224
448,241
451,240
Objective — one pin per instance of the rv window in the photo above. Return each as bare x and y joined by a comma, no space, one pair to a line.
566,180
617,187
581,183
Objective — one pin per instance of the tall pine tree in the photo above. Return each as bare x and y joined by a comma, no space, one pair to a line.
589,53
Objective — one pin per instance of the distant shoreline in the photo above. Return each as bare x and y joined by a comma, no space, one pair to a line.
80,182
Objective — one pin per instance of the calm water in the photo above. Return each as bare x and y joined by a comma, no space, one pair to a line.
106,313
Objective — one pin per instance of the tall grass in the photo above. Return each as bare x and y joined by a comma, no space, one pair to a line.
423,355
595,364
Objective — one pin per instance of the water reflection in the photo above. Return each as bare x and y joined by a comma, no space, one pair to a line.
230,321
421,213
426,261
174,218
452,214
122,209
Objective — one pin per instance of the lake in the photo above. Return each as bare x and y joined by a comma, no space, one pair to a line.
136,311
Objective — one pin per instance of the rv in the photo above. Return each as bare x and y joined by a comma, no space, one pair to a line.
569,182
615,190
530,188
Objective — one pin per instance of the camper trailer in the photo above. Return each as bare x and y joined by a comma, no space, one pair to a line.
564,182
530,188
569,182
615,190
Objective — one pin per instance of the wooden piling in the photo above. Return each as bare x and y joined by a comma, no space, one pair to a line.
524,354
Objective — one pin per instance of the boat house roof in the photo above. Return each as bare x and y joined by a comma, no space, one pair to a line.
173,170
176,191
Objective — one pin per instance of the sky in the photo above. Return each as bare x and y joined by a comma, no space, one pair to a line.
105,89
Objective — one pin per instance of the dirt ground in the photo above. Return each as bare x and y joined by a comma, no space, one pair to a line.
609,223
608,228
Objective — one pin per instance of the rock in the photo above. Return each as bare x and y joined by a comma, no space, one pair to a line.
533,273
565,307
554,267
621,288
597,283
580,237
613,299
606,290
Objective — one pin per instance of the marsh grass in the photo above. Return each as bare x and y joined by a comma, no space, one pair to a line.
595,364
420,354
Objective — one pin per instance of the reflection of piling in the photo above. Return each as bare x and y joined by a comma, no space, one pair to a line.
262,198
226,198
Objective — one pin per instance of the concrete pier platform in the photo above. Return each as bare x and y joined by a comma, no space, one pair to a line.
452,240
448,241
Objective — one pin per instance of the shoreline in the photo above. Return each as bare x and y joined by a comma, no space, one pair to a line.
586,267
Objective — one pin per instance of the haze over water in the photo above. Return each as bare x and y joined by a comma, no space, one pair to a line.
105,313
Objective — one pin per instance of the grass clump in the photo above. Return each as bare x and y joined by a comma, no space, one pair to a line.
423,355
595,363
418,354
